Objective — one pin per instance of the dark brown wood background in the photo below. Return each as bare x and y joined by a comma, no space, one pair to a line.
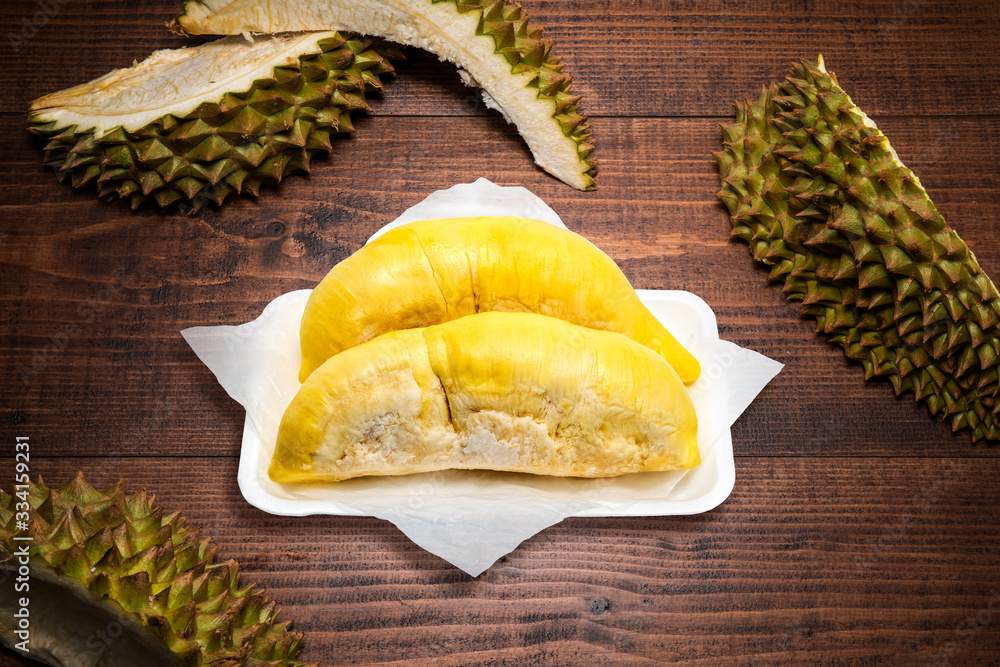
861,530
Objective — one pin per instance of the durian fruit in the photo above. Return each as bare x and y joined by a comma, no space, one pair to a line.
516,392
489,40
821,197
433,271
197,125
113,580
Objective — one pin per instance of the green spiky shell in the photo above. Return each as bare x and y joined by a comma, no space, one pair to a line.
819,195
516,41
525,50
130,553
247,139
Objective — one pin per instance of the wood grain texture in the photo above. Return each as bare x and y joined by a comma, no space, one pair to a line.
860,531
105,354
857,560
629,57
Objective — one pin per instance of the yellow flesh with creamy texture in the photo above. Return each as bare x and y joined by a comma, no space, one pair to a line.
513,392
433,271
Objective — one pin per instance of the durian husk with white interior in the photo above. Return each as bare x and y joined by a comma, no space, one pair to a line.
113,580
489,40
515,392
196,125
815,189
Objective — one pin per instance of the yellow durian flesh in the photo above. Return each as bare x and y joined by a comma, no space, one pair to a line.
432,271
515,392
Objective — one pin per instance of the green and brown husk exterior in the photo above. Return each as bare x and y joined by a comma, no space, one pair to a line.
819,195
520,44
247,139
129,552
525,50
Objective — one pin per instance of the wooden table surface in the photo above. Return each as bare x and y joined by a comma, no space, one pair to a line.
860,529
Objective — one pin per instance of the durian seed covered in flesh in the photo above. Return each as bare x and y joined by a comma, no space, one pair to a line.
431,271
516,392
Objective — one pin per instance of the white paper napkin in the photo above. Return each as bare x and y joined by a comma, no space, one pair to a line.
472,518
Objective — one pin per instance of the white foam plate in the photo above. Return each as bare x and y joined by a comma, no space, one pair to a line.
685,492
471,518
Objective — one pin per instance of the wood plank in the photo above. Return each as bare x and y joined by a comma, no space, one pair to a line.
94,296
855,560
630,57
860,530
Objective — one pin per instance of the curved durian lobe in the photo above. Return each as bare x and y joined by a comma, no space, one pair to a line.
432,271
117,581
819,194
514,392
198,125
489,40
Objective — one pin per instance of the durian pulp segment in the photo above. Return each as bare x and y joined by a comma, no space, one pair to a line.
515,392
532,93
433,271
171,82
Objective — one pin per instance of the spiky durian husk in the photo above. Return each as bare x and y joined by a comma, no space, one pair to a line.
526,51
153,566
819,195
521,46
217,150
